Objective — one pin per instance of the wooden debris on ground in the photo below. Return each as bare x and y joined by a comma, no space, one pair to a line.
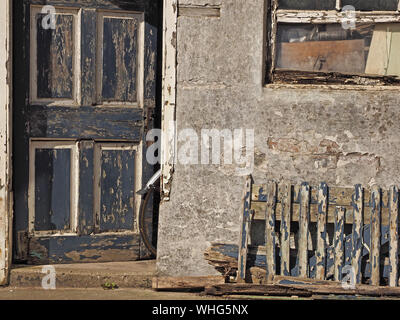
301,287
186,283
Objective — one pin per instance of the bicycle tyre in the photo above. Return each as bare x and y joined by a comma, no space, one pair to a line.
142,227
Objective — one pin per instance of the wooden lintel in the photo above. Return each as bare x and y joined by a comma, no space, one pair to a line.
185,283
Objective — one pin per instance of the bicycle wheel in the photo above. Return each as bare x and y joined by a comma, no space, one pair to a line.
147,239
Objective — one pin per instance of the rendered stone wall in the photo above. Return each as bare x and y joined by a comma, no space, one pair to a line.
340,136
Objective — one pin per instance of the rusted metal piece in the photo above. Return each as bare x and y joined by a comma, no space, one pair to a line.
358,207
375,230
285,228
321,233
338,243
245,222
270,241
394,236
303,229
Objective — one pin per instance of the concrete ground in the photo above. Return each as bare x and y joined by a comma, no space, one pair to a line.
132,274
85,281
12,293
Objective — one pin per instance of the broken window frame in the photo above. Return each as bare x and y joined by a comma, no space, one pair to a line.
281,76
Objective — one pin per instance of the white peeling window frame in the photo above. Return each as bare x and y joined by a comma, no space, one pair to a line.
276,16
6,206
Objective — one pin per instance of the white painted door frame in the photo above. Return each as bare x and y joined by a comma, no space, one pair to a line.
6,207
168,123
168,110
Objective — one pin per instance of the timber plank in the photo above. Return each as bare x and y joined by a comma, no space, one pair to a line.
285,229
321,233
271,290
338,243
245,223
394,236
303,230
270,230
357,231
186,283
375,235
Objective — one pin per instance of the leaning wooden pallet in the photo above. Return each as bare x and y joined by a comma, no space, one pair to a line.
321,233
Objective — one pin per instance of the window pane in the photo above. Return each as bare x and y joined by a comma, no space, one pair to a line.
369,49
369,5
307,4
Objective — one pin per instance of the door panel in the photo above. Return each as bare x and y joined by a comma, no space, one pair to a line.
54,57
52,189
120,53
116,176
84,96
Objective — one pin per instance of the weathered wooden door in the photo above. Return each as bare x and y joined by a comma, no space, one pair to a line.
84,96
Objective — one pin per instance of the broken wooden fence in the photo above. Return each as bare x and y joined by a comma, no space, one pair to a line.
315,232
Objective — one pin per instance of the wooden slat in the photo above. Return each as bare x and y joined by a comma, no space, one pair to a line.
186,283
244,230
270,229
338,5
303,229
285,229
358,206
333,287
259,213
375,234
338,196
394,236
321,234
332,16
338,243
254,289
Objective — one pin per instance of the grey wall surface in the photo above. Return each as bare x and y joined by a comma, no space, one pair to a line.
340,136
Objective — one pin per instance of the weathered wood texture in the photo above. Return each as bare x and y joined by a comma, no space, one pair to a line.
321,232
270,242
186,283
169,80
394,236
338,243
285,228
199,11
332,228
298,287
86,248
251,289
244,229
91,81
5,134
